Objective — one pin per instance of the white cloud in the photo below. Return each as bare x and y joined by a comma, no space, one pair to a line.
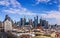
53,15
20,12
59,7
38,1
43,0
13,6
13,3
4,3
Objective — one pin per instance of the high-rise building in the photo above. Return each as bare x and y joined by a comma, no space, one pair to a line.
23,21
41,21
7,23
34,22
44,23
37,20
30,21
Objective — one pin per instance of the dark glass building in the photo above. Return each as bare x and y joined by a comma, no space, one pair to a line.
44,23
23,21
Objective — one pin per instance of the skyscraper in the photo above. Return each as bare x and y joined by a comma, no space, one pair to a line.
34,22
7,23
30,21
41,21
23,21
44,23
37,20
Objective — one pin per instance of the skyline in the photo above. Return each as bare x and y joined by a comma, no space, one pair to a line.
16,9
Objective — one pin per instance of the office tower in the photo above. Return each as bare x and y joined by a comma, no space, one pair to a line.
7,17
7,23
41,21
37,20
46,25
56,26
30,21
34,23
23,21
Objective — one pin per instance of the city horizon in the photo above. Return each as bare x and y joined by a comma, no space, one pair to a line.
16,9
27,19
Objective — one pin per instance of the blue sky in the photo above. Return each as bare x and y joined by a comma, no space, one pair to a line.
16,9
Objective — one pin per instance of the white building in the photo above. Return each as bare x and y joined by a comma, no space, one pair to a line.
7,24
